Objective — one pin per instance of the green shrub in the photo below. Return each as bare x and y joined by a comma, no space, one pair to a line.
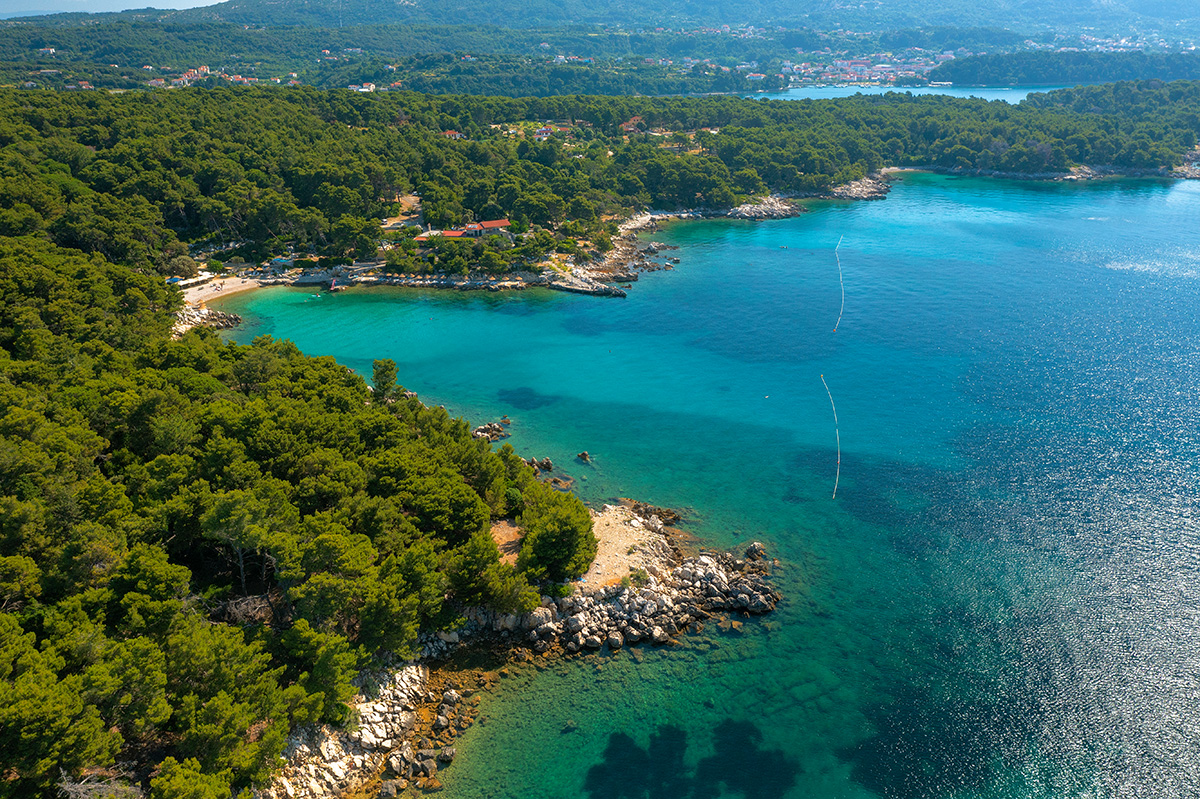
559,544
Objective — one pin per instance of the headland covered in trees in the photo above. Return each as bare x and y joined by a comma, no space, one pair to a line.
159,180
204,543
1059,68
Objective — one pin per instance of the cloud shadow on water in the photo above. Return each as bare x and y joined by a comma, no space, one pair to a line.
738,765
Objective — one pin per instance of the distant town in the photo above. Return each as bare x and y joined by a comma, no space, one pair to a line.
837,64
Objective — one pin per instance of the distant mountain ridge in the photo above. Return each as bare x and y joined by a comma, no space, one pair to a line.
635,13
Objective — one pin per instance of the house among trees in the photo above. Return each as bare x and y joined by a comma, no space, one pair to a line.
632,125
453,134
473,230
477,229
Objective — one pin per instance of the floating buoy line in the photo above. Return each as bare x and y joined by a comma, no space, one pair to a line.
841,282
836,431
837,477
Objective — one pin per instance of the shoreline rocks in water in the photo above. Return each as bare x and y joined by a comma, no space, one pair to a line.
325,761
410,716
198,316
492,431
544,465
770,207
627,259
872,187
666,603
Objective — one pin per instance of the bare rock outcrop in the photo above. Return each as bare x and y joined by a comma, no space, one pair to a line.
492,431
325,761
868,188
198,316
770,207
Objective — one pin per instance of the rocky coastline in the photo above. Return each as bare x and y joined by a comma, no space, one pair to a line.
872,187
514,281
772,206
409,714
600,278
655,607
630,256
492,431
1186,171
199,316
612,274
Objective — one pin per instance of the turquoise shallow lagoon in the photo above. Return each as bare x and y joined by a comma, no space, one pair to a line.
1002,600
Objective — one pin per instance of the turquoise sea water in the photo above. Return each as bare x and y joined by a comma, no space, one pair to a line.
1003,600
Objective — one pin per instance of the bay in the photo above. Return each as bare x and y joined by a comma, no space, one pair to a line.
1009,94
1001,601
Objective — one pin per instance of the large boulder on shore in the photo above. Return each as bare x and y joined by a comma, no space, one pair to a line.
537,617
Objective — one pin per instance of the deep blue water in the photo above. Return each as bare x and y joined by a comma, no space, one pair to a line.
1003,600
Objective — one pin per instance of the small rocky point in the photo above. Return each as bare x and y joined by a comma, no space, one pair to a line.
408,716
872,187
491,431
197,316
670,600
772,207
544,465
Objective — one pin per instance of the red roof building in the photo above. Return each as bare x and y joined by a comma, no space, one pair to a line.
471,230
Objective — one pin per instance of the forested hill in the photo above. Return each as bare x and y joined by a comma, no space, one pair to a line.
110,51
173,41
129,39
827,14
203,543
1050,69
131,176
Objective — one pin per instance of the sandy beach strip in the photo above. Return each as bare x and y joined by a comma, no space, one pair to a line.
221,287
626,543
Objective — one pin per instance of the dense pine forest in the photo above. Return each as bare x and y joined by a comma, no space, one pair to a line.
1048,69
110,52
134,176
204,542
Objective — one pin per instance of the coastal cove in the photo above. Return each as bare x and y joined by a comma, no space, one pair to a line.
1001,599
1009,94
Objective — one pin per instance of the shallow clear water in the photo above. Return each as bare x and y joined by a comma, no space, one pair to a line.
1009,94
1002,601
